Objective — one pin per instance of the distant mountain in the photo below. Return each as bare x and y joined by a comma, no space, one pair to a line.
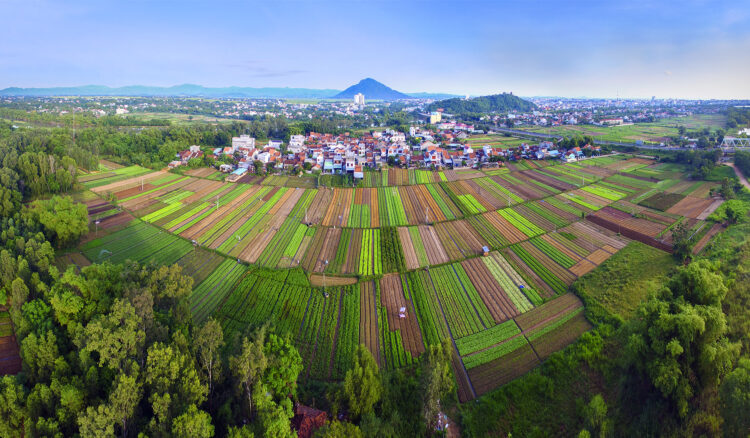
483,104
178,90
372,89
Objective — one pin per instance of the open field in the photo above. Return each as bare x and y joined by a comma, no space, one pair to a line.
654,132
496,141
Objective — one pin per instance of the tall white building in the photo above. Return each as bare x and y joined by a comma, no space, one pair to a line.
359,99
243,141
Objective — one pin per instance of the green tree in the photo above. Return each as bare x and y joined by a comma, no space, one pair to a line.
124,398
676,340
436,380
249,365
96,422
39,354
240,432
362,387
173,384
595,417
194,423
338,429
733,214
115,336
12,401
734,395
284,366
209,339
681,246
727,189
63,220
273,417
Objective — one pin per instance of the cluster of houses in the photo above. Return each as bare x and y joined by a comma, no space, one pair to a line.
347,154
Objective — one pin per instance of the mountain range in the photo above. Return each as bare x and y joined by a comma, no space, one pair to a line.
371,88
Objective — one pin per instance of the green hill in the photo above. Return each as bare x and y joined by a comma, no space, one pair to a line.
484,104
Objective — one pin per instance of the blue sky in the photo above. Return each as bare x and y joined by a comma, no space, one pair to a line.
697,49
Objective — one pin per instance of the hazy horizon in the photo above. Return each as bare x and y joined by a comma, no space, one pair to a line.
690,50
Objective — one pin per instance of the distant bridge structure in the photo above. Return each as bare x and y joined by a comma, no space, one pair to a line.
731,144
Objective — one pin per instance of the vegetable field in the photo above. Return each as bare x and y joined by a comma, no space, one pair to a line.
404,260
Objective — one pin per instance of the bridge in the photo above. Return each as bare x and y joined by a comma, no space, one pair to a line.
733,144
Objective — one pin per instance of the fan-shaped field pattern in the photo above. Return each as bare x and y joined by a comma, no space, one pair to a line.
405,260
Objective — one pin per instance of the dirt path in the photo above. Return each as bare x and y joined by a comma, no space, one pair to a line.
742,178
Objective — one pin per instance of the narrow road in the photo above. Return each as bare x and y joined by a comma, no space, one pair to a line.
742,178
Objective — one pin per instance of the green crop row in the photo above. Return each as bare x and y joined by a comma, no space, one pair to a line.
391,251
208,295
441,201
604,192
185,216
254,202
508,285
545,274
271,256
348,336
537,208
497,190
296,240
493,353
555,254
487,338
251,222
520,222
430,319
416,241
459,312
579,200
554,325
471,204
471,292
489,233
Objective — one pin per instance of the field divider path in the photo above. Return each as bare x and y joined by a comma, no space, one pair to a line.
528,341
453,341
